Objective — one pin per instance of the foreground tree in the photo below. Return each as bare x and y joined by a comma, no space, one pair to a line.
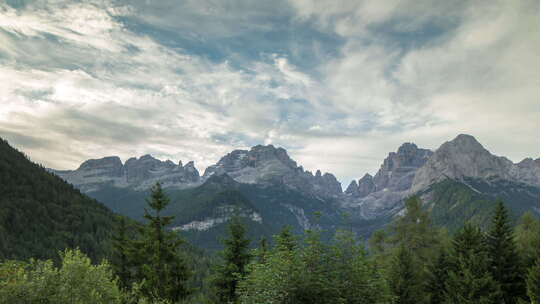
470,280
404,277
314,273
155,260
235,256
437,277
527,236
533,283
75,281
504,259
415,231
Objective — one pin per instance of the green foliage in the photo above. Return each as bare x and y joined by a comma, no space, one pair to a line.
469,280
276,204
452,204
153,260
504,260
415,230
404,251
527,237
314,273
405,277
437,276
77,281
533,283
236,257
42,214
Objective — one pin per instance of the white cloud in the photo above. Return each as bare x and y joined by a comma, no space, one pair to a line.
76,83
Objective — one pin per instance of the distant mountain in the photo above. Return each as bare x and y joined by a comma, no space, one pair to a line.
458,182
382,195
466,157
137,173
263,185
41,214
267,165
264,182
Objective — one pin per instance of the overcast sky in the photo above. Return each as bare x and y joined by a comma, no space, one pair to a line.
339,84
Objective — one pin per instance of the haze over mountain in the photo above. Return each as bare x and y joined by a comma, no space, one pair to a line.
253,178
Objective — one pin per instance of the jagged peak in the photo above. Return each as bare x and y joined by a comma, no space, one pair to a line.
190,164
407,147
352,188
107,160
466,140
147,157
366,176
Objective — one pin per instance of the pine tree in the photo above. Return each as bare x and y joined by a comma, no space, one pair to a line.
285,240
437,277
262,250
527,236
505,266
235,256
533,283
156,255
121,248
404,278
470,281
415,230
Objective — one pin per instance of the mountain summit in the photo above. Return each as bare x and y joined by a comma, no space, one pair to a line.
137,173
261,165
268,165
464,156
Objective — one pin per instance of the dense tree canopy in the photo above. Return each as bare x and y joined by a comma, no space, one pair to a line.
41,214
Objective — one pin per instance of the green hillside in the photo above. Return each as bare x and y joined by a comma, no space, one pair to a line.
41,214
277,205
452,203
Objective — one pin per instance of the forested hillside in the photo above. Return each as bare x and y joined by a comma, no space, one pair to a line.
41,214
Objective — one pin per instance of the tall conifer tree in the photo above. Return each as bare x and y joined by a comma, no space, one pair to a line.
235,256
470,281
504,259
155,256
404,278
533,283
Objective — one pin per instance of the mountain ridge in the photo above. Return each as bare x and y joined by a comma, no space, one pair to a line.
264,171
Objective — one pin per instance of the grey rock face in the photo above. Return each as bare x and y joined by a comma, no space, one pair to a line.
398,169
267,165
379,195
466,157
139,174
366,185
363,188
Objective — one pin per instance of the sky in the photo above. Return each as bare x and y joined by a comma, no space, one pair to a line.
337,83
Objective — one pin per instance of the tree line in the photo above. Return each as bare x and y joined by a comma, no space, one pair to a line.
411,261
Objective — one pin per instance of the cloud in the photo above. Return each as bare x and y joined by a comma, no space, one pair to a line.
338,83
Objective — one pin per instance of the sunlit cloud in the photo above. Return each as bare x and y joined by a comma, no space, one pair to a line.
337,83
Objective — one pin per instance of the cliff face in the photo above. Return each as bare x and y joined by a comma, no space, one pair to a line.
138,174
267,165
466,157
377,196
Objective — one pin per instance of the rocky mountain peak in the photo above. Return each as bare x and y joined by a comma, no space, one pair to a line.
352,189
380,194
137,173
110,166
109,162
268,165
460,157
398,168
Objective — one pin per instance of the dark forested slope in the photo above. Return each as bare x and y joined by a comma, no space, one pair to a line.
41,214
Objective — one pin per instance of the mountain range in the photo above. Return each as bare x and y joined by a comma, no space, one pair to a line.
460,178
